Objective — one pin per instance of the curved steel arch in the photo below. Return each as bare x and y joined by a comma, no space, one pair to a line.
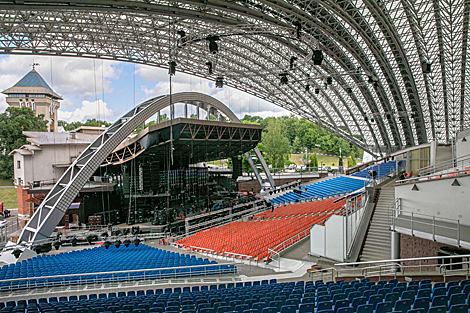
388,40
53,207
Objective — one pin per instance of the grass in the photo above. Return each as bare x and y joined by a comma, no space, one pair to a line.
327,160
8,197
6,182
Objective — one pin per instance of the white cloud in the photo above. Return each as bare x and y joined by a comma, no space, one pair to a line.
70,77
89,110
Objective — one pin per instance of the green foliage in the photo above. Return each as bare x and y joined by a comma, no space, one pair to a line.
352,160
313,160
276,144
163,118
89,122
254,120
12,124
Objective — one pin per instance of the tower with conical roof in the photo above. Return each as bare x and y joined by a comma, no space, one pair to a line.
33,92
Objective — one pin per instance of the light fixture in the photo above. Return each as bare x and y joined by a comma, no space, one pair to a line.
219,82
209,67
298,29
213,47
464,139
415,188
172,68
455,183
426,67
292,62
284,79
349,90
317,91
329,80
317,57
307,88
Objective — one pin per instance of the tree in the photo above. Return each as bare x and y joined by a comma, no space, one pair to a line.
313,160
89,122
276,145
350,161
12,124
297,145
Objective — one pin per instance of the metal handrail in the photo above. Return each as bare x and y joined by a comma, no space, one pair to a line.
403,260
444,266
395,215
444,165
395,265
85,278
428,177
356,234
315,273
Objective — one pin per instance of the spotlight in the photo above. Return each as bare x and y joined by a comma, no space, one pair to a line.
317,91
376,84
213,47
219,82
426,67
317,57
329,80
172,68
307,88
349,90
209,67
298,27
284,79
292,62
183,38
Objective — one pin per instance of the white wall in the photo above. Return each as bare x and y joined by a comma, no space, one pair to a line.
327,241
438,198
462,148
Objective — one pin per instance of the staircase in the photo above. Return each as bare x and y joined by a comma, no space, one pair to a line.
377,244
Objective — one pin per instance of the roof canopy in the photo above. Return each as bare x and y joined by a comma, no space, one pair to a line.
393,72
32,83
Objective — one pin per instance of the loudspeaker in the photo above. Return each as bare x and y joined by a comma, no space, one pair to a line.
237,167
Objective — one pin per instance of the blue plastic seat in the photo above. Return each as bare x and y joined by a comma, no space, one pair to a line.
421,310
458,298
384,307
308,308
346,310
341,304
285,309
358,301
365,308
421,303
459,308
269,309
439,301
402,305
326,305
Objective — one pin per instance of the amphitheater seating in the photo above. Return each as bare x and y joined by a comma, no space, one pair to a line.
99,259
297,209
267,230
325,188
252,297
382,169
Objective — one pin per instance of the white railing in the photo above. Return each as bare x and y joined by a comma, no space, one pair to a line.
427,265
361,225
323,274
118,276
8,228
460,162
424,223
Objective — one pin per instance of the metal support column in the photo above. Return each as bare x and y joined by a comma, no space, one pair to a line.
264,166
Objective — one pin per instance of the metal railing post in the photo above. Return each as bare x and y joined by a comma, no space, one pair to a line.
433,228
458,233
412,231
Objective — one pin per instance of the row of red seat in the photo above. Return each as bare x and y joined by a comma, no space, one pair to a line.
323,206
253,238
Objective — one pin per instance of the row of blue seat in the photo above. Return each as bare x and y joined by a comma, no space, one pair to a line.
97,260
382,169
326,188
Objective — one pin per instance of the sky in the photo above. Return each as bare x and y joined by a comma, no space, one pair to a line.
105,90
